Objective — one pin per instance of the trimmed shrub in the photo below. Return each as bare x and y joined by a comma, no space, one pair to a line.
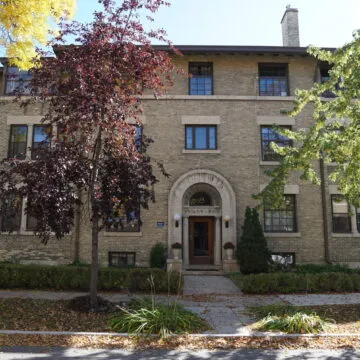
78,278
158,256
252,253
297,283
321,268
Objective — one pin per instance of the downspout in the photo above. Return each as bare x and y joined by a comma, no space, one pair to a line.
324,210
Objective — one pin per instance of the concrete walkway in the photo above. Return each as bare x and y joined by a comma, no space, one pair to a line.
214,298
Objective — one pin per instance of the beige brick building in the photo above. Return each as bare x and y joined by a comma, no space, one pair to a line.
212,132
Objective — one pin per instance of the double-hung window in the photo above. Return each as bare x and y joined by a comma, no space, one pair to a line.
282,219
269,135
273,79
41,139
18,141
200,137
201,78
341,219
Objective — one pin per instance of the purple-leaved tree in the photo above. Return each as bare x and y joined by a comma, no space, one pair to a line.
92,91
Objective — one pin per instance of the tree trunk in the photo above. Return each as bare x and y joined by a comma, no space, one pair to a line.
95,224
94,262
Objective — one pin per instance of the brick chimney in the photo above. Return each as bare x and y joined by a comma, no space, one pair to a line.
290,27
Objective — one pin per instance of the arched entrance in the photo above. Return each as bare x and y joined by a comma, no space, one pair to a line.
201,216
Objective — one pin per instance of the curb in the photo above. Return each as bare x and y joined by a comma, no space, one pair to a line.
255,335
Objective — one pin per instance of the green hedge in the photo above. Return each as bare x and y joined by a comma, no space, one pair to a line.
78,278
298,283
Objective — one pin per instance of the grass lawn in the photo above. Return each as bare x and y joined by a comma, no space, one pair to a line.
340,318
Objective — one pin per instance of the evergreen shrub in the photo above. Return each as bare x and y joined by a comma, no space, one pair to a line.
252,253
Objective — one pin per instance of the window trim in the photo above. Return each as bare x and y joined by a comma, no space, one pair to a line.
193,127
295,225
212,76
332,216
273,64
290,142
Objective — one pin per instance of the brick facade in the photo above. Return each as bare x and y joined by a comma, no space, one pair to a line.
238,114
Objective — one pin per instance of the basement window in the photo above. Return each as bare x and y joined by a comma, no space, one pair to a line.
122,258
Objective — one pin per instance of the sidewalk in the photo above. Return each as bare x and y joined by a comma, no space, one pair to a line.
214,298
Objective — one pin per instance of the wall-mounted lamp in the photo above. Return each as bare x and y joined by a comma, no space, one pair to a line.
226,219
177,218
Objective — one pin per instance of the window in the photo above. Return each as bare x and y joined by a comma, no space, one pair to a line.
283,219
10,214
123,222
200,199
121,258
341,219
200,137
18,141
138,138
269,135
324,69
41,139
273,80
17,81
201,80
283,258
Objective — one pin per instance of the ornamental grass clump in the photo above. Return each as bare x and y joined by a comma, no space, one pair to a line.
298,323
145,316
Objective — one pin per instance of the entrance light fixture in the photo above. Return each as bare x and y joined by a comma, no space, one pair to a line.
226,219
177,218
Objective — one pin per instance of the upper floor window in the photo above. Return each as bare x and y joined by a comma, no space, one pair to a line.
41,139
273,80
200,137
17,81
201,80
10,214
18,141
341,219
324,76
282,219
269,135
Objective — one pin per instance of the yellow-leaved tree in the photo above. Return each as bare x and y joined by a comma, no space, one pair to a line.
26,23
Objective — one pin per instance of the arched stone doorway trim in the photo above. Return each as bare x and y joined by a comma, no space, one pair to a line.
176,207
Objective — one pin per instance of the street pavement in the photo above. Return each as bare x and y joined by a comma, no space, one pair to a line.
34,353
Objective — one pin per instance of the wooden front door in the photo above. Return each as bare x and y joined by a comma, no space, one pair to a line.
201,240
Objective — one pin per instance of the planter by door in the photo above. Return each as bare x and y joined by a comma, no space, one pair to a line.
229,254
177,254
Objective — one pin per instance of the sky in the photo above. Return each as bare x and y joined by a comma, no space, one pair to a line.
324,23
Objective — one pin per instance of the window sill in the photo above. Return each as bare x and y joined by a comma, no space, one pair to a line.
283,234
341,235
121,234
195,151
270,163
